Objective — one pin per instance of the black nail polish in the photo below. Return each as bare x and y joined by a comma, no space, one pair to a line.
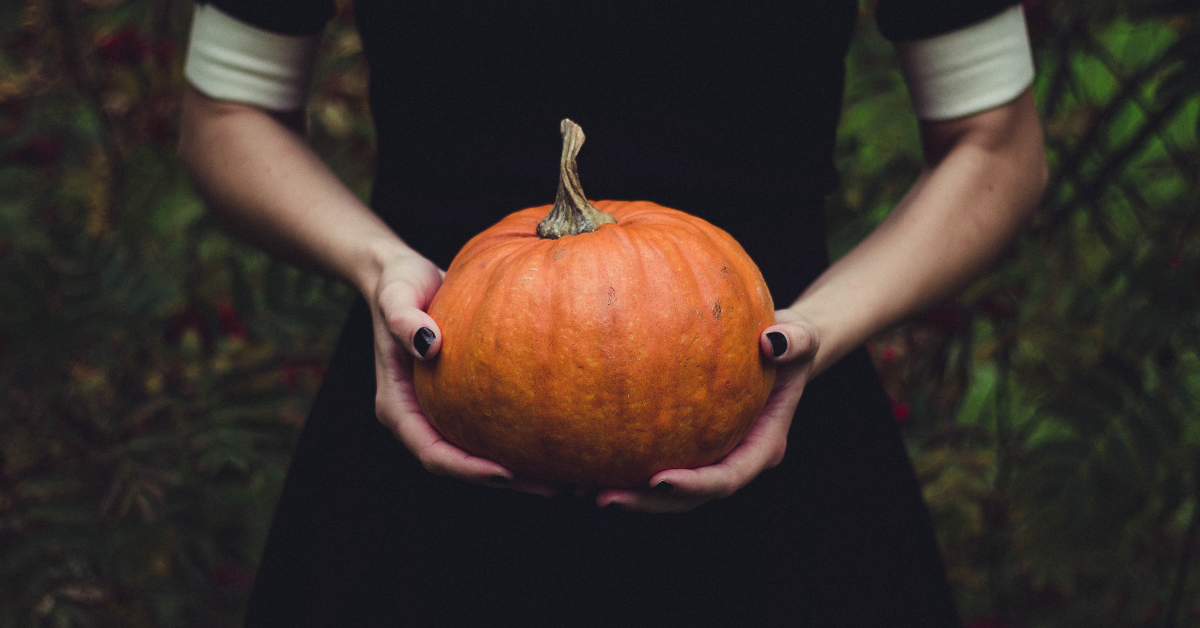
778,343
499,479
664,487
422,340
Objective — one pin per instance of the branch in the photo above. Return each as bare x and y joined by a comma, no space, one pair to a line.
1175,601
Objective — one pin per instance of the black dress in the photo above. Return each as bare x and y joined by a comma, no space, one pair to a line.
726,110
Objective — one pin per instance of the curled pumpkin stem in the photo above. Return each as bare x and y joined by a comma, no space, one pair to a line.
572,214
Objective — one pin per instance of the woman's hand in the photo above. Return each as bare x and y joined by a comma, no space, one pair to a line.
403,333
791,343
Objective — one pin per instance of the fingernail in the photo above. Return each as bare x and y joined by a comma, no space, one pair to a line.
664,487
422,340
778,343
499,479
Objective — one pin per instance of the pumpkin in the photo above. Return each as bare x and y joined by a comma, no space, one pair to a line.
597,344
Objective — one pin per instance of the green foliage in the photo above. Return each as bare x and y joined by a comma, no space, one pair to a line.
1052,408
154,372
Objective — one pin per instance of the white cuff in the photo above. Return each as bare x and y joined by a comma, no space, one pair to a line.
968,70
230,60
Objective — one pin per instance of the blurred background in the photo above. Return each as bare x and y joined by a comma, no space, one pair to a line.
154,372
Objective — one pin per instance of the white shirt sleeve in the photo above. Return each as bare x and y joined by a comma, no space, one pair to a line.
969,70
230,60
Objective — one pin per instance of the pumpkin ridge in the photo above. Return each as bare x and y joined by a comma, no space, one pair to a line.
609,362
518,225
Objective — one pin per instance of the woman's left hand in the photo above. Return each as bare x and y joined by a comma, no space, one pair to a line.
679,490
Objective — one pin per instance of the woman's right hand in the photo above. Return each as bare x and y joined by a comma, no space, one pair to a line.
404,332
284,199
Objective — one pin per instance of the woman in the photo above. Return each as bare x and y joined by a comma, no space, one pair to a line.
725,111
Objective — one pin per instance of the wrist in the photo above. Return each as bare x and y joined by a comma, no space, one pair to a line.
835,333
376,255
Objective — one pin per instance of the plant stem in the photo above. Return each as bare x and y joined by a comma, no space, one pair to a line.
572,214
996,524
1171,612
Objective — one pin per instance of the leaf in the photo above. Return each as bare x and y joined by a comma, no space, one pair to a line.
277,284
244,301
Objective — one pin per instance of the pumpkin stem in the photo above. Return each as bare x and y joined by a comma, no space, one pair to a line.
572,214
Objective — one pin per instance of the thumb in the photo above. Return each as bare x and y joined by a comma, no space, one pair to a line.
787,341
412,328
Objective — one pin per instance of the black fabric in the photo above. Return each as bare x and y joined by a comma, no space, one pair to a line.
904,20
285,17
730,103
899,20
835,536
724,110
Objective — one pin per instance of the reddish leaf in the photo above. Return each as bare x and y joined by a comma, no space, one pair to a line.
231,323
231,577
901,411
39,151
124,46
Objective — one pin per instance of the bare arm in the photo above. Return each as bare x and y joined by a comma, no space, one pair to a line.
261,177
984,175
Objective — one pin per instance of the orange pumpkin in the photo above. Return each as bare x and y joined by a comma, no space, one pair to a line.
608,343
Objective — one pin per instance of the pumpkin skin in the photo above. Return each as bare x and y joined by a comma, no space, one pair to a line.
602,358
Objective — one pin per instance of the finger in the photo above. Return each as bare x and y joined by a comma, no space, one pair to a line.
786,341
680,490
396,402
413,329
443,458
440,457
525,485
643,501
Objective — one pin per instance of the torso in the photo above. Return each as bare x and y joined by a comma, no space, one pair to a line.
723,110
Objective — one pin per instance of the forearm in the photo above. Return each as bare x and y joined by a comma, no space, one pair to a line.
265,182
983,178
